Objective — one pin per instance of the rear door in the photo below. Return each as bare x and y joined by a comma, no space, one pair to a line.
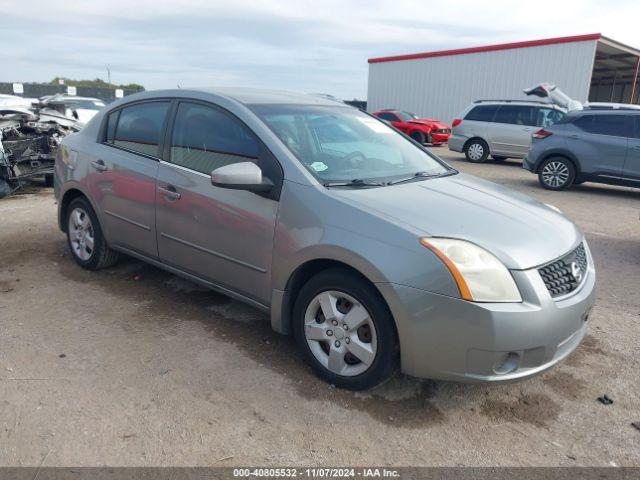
511,130
631,168
599,142
123,173
219,234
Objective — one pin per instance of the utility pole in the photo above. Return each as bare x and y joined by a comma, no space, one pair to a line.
108,75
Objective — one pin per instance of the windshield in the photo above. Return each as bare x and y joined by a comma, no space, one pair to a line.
406,116
343,144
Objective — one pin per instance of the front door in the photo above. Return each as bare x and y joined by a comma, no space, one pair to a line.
511,130
122,178
222,235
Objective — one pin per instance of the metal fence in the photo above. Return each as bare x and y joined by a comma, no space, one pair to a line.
37,90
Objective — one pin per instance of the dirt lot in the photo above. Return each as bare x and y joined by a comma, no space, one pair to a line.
133,366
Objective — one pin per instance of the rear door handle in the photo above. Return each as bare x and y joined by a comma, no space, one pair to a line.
170,192
637,148
99,165
574,136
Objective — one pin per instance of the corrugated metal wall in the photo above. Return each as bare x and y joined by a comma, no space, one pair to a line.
441,87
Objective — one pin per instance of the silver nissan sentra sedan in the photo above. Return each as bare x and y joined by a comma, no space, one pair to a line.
373,252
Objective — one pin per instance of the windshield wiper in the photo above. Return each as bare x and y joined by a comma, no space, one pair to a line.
356,182
423,175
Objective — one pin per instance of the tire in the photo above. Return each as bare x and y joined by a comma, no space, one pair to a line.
556,173
418,137
476,150
82,225
498,158
48,180
329,346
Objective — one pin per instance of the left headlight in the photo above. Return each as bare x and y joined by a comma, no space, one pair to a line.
480,276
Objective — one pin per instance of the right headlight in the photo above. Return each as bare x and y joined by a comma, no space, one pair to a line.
480,276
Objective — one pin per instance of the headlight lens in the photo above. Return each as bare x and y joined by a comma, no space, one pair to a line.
480,276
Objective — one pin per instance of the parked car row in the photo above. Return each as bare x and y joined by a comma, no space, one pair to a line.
596,142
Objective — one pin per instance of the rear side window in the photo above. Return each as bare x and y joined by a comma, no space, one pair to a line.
138,127
612,125
482,113
205,138
516,115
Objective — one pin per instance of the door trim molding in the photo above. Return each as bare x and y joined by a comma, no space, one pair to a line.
125,219
214,253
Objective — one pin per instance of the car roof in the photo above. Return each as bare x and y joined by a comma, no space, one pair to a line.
517,102
603,111
246,96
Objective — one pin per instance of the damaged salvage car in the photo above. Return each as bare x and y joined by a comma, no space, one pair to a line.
29,142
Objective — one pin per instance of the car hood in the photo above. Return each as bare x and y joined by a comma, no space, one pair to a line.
429,122
522,232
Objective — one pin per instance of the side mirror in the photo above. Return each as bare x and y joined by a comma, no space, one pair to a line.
241,176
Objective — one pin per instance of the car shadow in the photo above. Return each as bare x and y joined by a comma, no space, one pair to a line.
401,402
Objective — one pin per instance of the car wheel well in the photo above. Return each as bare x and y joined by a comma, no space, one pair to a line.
67,198
567,157
304,273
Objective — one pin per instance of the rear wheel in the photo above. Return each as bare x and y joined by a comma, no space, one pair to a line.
476,150
84,235
345,330
556,173
418,137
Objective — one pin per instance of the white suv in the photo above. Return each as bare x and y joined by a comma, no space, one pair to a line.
500,128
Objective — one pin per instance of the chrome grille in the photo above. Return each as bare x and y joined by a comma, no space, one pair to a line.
565,275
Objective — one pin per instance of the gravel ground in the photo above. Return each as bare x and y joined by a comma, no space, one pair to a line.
134,366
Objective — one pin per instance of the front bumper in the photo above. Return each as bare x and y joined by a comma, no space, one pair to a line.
439,138
448,338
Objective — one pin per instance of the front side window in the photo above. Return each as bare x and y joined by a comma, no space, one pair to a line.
548,116
138,127
516,115
205,138
341,144
611,125
482,113
406,116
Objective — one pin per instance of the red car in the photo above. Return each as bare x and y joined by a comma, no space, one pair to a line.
422,130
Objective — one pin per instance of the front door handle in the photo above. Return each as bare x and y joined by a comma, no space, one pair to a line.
170,192
99,165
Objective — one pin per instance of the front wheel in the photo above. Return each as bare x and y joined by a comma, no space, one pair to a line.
345,330
556,173
418,137
477,151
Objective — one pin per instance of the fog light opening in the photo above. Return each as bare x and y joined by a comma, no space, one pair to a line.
507,363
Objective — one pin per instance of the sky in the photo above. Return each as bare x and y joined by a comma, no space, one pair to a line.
306,46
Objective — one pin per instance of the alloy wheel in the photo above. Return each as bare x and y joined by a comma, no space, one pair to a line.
555,174
340,333
81,234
